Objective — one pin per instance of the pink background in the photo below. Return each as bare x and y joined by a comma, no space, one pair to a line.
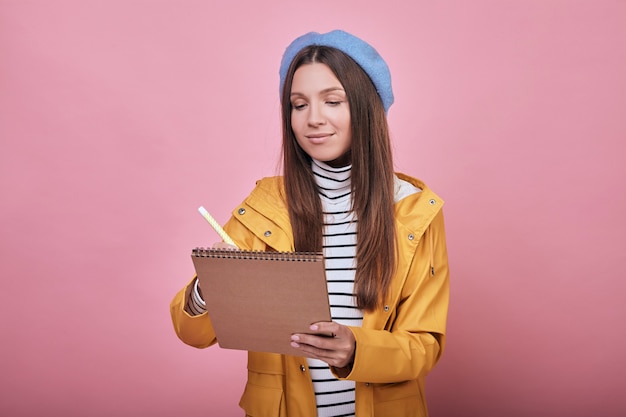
119,118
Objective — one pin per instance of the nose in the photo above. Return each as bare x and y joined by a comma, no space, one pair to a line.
316,115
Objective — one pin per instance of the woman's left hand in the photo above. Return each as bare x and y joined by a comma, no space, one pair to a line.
333,343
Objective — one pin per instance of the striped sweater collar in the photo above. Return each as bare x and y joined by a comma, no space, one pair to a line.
333,183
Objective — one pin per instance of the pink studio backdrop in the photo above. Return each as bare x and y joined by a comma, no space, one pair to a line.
119,118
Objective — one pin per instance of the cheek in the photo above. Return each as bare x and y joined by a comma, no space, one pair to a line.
295,123
297,130
342,119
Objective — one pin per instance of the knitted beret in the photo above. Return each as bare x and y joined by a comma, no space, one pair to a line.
360,51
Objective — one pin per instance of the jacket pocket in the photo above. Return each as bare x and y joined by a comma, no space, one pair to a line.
259,401
403,399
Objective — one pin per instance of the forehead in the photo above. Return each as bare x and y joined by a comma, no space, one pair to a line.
314,77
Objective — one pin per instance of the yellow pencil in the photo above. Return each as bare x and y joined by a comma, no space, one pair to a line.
216,226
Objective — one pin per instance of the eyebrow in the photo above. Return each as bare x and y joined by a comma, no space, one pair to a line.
324,91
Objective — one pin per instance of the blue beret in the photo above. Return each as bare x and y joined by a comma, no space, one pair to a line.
360,51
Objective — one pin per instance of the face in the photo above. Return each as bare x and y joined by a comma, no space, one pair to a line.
320,115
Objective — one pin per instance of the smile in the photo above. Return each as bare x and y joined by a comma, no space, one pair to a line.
318,137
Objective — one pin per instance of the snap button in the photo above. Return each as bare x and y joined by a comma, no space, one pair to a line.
267,233
386,308
302,368
242,211
432,202
411,236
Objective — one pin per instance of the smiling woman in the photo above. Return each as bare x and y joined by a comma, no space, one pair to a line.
381,233
320,117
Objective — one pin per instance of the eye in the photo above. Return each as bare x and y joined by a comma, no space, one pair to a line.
300,106
333,103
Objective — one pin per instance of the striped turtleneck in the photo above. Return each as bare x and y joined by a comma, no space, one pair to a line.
336,397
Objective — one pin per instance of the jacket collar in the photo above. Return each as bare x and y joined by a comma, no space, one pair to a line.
414,213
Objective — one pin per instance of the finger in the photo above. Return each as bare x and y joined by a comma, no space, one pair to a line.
314,352
327,328
321,342
331,357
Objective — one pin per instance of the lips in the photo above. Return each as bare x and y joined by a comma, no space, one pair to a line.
318,137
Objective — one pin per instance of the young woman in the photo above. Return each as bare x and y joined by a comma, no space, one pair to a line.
382,235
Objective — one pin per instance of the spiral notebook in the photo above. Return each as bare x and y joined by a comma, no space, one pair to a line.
257,300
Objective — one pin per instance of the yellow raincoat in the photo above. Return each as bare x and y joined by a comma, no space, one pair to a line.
397,345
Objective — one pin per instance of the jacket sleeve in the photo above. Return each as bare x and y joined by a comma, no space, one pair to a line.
412,340
196,331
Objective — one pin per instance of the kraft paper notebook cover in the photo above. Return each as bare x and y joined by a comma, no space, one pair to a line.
257,300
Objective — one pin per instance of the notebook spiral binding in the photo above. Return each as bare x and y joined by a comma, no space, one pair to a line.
257,255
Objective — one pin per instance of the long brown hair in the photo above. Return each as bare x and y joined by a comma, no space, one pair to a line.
372,177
